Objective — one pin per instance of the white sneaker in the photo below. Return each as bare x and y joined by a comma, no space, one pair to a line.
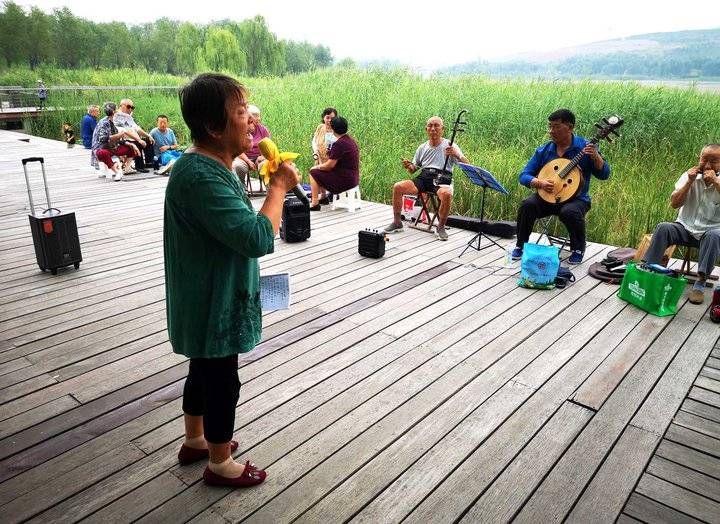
118,176
103,171
167,167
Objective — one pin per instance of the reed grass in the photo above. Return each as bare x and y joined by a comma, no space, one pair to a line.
664,131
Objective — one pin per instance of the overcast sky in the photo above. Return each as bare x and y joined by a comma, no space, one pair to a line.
423,33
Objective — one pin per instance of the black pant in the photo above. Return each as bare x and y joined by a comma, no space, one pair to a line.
212,389
571,213
147,155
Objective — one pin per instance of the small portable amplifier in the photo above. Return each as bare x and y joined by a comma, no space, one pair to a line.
295,225
371,243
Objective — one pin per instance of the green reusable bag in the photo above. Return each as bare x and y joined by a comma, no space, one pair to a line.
655,293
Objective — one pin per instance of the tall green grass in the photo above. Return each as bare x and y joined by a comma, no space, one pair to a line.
664,131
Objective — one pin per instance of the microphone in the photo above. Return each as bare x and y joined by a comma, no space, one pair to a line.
299,192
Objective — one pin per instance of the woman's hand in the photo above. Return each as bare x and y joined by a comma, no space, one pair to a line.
286,177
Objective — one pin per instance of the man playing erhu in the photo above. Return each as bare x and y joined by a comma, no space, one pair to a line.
435,175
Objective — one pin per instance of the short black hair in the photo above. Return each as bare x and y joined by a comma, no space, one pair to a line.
203,103
327,111
339,125
109,108
162,116
564,115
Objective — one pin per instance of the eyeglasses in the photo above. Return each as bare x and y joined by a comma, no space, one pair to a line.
130,107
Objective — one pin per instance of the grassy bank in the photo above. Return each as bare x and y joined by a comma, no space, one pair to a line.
664,131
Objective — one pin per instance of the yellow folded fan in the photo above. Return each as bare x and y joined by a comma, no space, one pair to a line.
273,158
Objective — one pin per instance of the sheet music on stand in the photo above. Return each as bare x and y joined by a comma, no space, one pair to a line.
483,178
275,291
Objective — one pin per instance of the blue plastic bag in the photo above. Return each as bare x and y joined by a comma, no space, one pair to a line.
539,266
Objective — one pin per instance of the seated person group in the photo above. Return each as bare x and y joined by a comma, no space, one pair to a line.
117,135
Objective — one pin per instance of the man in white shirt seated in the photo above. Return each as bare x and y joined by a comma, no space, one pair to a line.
697,195
124,120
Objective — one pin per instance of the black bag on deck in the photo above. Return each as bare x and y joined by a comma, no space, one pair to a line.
295,225
371,243
55,234
498,228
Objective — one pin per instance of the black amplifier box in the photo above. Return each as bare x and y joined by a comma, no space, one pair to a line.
371,243
295,225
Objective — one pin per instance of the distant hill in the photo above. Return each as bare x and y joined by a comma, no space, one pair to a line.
679,54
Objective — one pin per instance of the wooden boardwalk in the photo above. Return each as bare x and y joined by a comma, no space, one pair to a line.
420,386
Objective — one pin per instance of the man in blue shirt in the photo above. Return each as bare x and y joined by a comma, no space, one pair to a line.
166,147
563,144
87,125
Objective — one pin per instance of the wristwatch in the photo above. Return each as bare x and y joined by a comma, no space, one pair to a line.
315,156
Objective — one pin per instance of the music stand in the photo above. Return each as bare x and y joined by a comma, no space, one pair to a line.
483,178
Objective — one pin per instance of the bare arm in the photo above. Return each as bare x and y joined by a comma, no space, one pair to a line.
677,199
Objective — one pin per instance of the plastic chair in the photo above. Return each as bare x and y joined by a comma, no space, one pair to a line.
349,200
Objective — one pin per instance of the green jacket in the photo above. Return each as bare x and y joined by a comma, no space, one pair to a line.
212,240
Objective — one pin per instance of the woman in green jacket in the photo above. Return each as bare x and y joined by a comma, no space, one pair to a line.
212,240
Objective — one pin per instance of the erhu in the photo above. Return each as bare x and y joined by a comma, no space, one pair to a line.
457,128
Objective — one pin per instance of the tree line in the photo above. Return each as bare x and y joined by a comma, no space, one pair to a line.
64,40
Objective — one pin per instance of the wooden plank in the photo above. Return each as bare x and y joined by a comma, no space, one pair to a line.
705,396
648,510
699,424
714,361
612,484
693,439
679,498
414,485
131,506
626,519
25,439
702,410
507,493
598,387
710,373
35,478
669,393
54,491
614,481
100,494
690,458
708,383
292,501
692,480
556,495
37,414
